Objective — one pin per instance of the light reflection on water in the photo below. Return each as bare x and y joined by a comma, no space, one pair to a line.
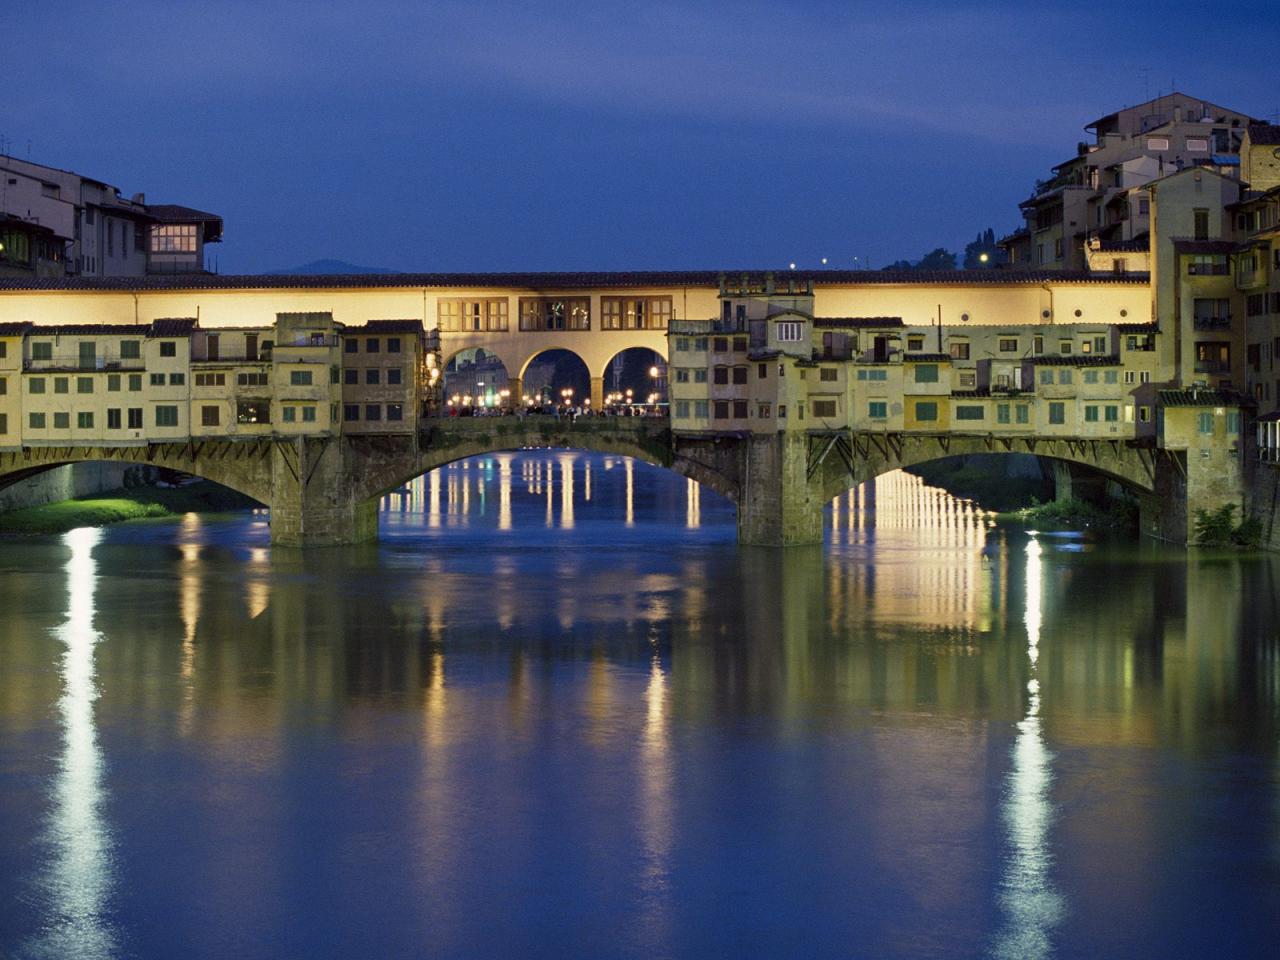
489,737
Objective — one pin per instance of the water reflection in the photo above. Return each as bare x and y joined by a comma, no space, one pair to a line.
1031,904
79,872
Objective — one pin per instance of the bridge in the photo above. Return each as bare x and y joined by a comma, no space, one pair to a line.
783,390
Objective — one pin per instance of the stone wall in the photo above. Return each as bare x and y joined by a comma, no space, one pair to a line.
63,483
1264,502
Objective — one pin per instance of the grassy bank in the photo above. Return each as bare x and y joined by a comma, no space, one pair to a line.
117,506
1074,514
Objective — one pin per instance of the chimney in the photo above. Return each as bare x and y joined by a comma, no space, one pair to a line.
140,198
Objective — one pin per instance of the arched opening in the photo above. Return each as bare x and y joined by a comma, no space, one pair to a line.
556,378
475,379
636,377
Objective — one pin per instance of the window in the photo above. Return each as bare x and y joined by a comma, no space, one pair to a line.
113,418
4,349
700,409
308,414
700,344
1090,376
1046,376
915,343
349,375
722,409
42,351
209,416
739,344
968,379
699,376
764,411
84,384
960,350
721,375
1023,413
739,375
35,421
88,353
682,344
371,345
177,379
682,409
372,376
1065,375
393,344
1090,414
1110,376
878,409
373,411
157,379
168,348
166,416
253,411
35,385
299,378
1197,145
1037,345
113,383
393,376
739,409
1157,143
635,313
790,331
1058,413
1130,376
1233,421
4,386
826,374
172,237
926,411
351,345
1064,347
682,375
61,385
211,379
1200,229
135,418
1144,376
395,411
555,313
135,382
824,408
1111,413
720,345
970,412
1002,413
457,316
873,374
1008,344
926,373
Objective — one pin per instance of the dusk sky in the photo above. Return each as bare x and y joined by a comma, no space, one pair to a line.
600,135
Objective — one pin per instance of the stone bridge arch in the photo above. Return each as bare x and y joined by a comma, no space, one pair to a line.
383,467
838,462
243,466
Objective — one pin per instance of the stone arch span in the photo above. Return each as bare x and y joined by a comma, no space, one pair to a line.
381,468
243,466
838,462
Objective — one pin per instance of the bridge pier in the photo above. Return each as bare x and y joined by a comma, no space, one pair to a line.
778,506
597,393
312,500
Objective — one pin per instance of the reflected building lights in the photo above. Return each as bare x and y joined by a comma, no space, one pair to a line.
656,813
566,491
692,504
629,467
79,880
1031,905
504,492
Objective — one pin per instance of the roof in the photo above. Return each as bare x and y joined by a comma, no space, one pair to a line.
1199,397
1204,246
1147,327
983,393
856,322
926,357
1076,360
1138,245
385,326
176,213
173,327
15,329
563,281
89,329
1264,134
9,220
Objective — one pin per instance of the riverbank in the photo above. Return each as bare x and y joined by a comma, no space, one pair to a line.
1117,517
119,506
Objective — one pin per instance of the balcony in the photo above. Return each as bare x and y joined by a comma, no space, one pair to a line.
70,363
1213,366
1222,322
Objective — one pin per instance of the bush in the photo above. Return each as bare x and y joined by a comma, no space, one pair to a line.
1217,528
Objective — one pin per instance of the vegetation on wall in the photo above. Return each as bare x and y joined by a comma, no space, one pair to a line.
1217,528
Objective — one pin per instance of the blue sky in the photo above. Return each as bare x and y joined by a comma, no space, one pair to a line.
518,136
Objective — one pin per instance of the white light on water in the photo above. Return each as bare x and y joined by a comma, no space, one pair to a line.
79,875
1032,906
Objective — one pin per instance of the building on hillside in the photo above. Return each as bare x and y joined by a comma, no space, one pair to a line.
1094,195
55,223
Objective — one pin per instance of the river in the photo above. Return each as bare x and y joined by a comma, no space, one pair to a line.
558,712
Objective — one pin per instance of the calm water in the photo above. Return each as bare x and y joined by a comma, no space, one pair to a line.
557,712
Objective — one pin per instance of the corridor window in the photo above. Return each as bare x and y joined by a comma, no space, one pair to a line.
790,331
472,316
173,238
555,313
635,313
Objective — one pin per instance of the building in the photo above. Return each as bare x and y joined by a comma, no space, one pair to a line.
56,223
1092,212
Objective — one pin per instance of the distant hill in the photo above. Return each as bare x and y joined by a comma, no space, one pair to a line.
328,266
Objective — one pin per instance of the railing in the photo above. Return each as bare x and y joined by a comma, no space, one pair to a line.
262,356
1212,366
1213,323
108,364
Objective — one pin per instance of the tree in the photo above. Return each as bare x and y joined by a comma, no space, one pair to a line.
984,244
938,259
